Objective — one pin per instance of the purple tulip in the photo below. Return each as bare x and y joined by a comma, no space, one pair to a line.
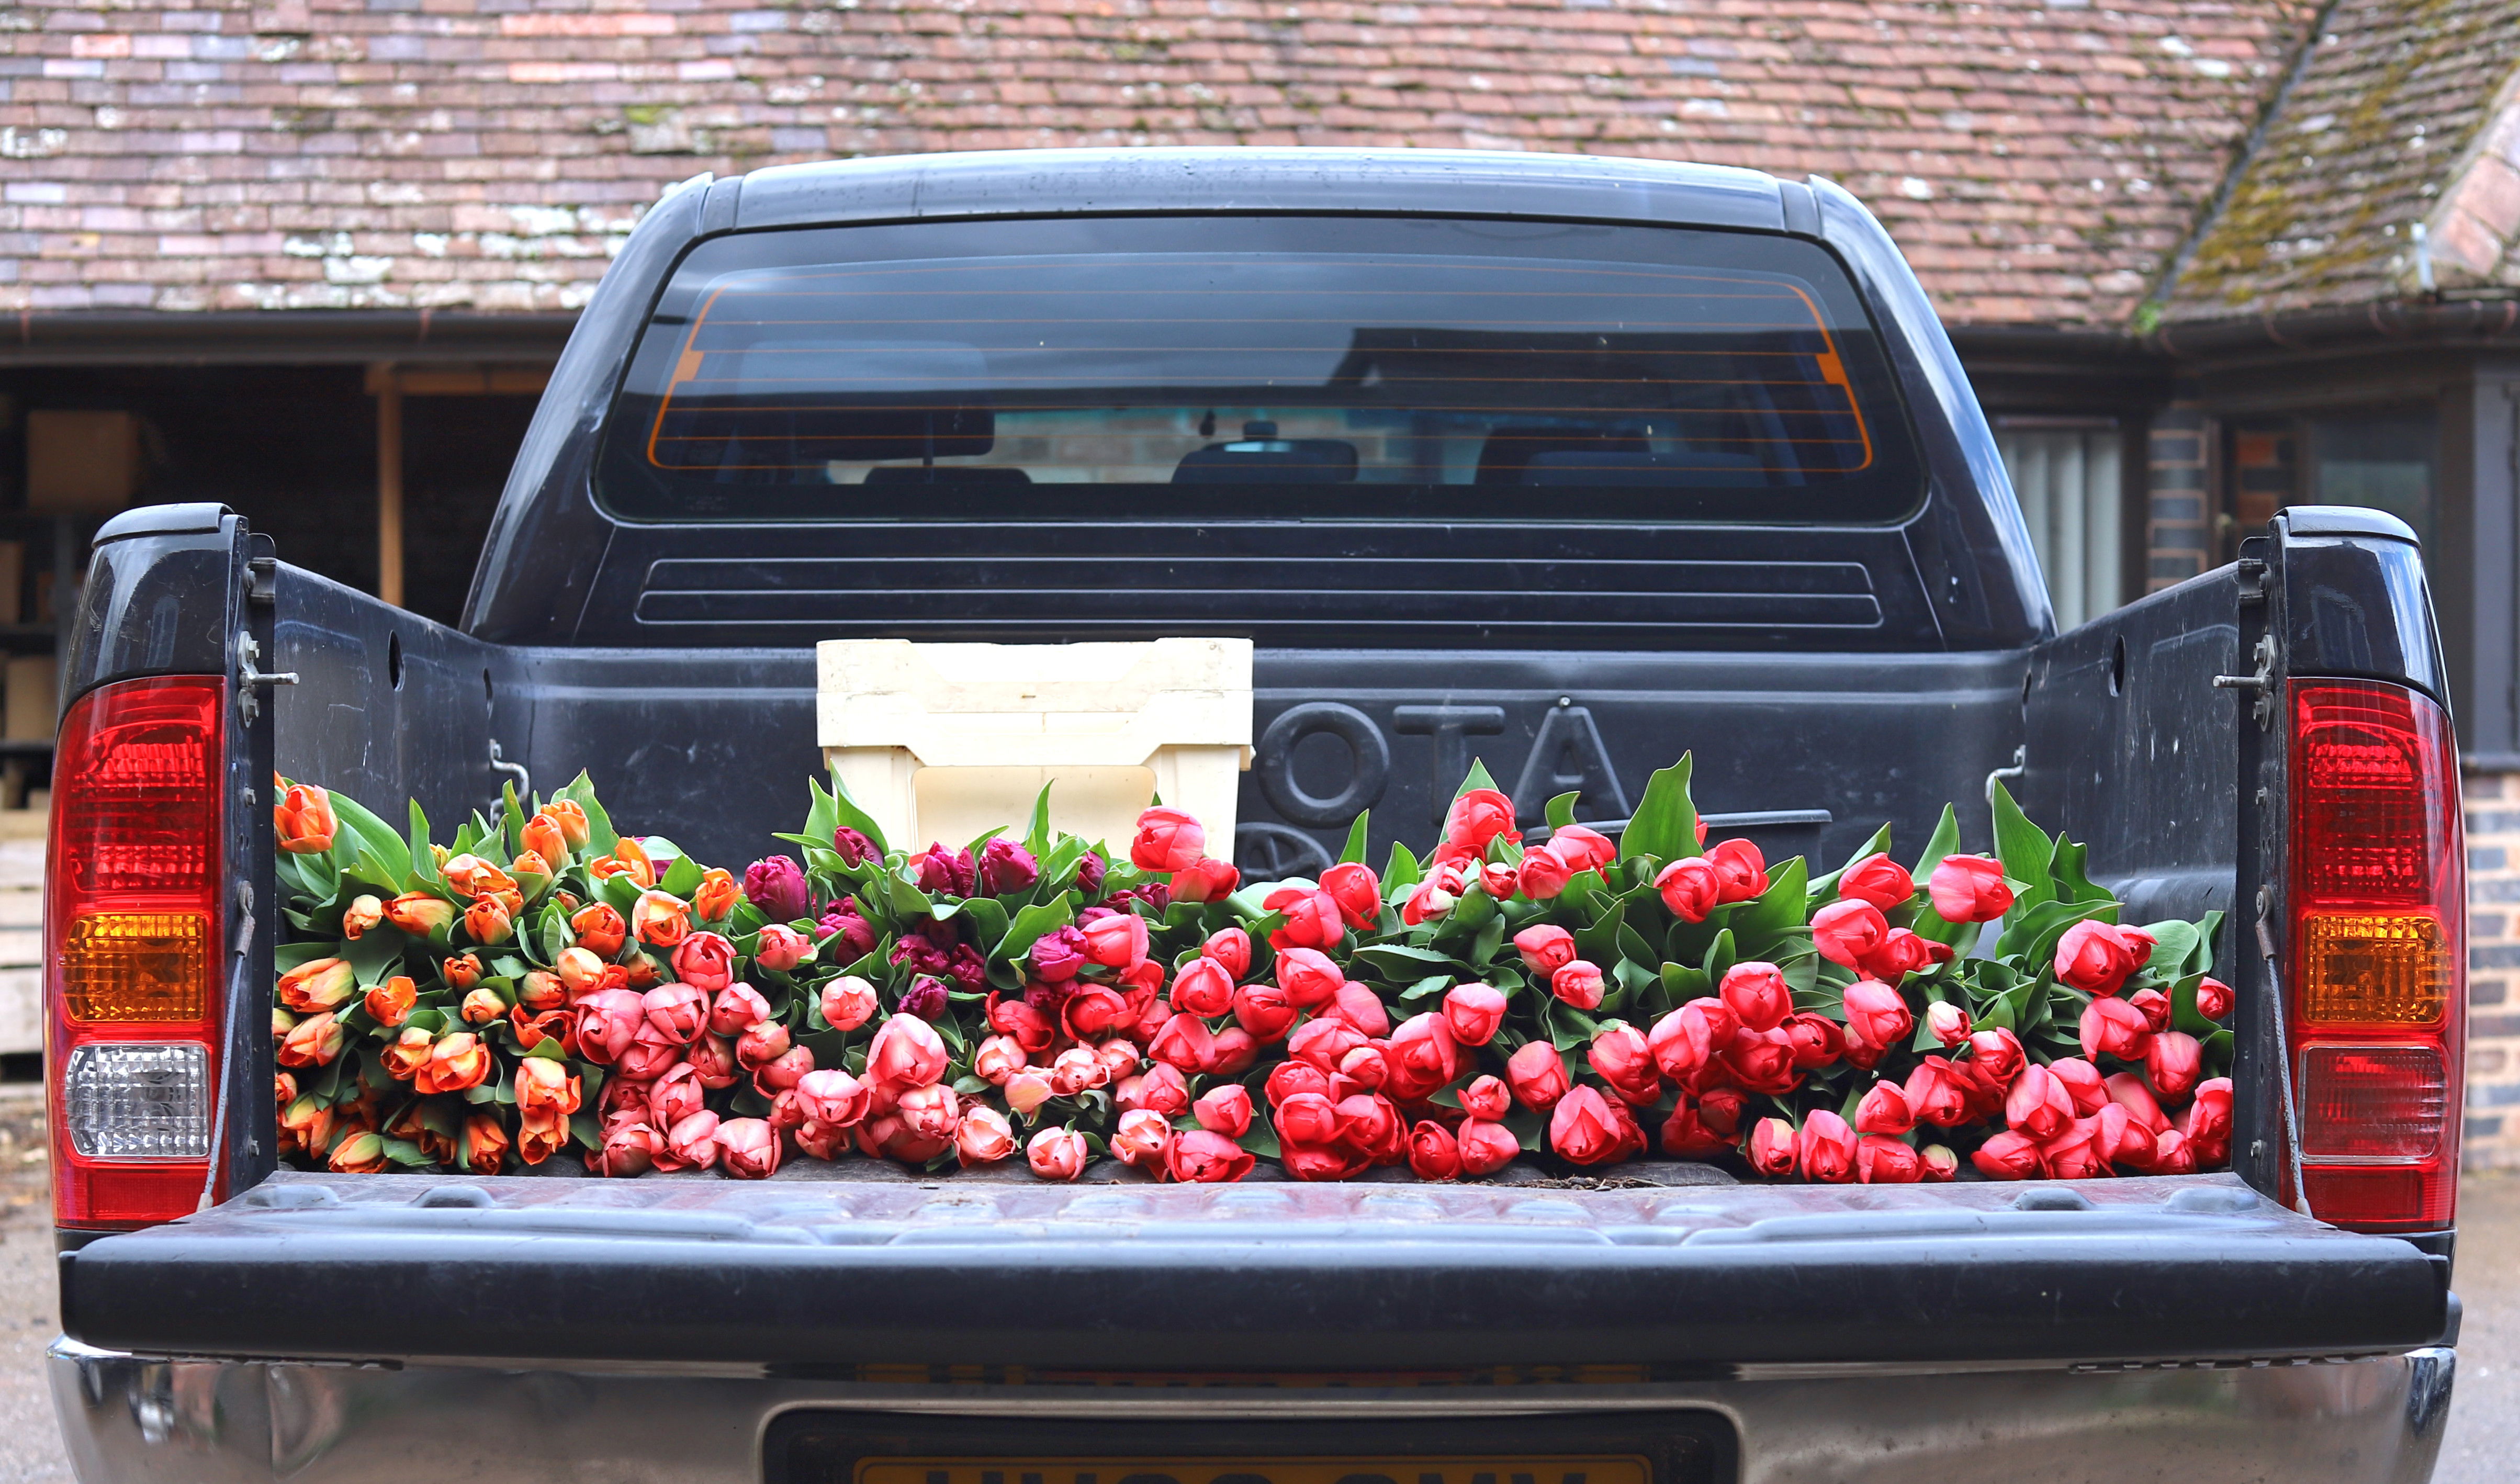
777,886
924,998
855,849
1058,953
1089,876
946,872
1007,867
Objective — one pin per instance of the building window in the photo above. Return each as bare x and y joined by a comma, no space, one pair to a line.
2068,482
2382,459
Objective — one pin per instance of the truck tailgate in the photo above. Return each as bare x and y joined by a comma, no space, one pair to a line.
796,1272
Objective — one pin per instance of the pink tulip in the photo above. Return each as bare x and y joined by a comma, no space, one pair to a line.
1141,1139
849,1002
833,1097
691,1144
679,1010
751,1148
1058,1153
906,1053
737,1009
983,1137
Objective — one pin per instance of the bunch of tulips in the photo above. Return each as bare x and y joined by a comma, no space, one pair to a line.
545,986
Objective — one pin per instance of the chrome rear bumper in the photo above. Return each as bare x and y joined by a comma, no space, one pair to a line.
135,1420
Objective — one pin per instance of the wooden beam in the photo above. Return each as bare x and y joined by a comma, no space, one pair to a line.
389,391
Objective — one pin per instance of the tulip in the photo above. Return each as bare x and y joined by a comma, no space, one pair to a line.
1313,919
1057,955
1544,948
748,1146
1027,1091
1970,888
2095,957
1683,1041
539,990
1159,1089
1185,1042
906,1053
1308,978
2082,1083
2172,1154
1997,1054
1938,1163
1685,1136
1370,1125
2122,1140
544,1086
849,1002
1433,1153
706,960
781,1072
2153,1005
984,1137
1537,1076
1115,939
403,1056
1478,815
2213,998
1884,1110
1325,1042
2074,1154
421,914
630,1149
317,984
312,1041
1825,1149
933,1111
1587,849
2039,1104
1205,881
1141,1138
1499,880
1058,1153
1203,988
1623,1058
1740,871
1290,1078
457,1062
1359,1006
1224,1109
2206,1123
1948,1022
2172,1062
659,919
736,1008
1901,954
1006,867
946,872
363,912
713,1060
1167,841
1882,1160
1366,1066
1485,1146
1541,875
599,929
1263,1011
997,1058
1307,1118
1877,879
1434,898
1425,1052
543,839
2114,1028
303,821
390,1004
2127,1091
1876,1016
361,1154
650,1053
1935,1094
1075,1070
1583,1130
1357,891
1772,1145
484,1146
1202,1157
1758,994
568,816
1231,949
470,876
1691,888
1474,1013
1762,1060
1720,1111
678,1012
1577,983
674,1096
463,970
1846,931
481,1006
766,1041
304,1123
781,947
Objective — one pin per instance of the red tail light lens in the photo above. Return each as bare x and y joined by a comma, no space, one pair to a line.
132,931
2379,971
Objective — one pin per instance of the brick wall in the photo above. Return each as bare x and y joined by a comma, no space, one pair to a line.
2494,970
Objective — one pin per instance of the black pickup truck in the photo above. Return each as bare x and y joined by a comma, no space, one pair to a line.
1564,463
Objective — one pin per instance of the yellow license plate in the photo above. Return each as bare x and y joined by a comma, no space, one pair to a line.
1589,1469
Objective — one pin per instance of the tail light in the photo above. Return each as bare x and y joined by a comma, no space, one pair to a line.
2379,935
131,924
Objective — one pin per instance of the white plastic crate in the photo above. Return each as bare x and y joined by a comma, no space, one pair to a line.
943,742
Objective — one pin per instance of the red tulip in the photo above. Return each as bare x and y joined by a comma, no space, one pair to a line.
1205,881
1313,919
1433,897
2213,999
1763,1060
821,1141
1939,1162
1185,1042
1686,1136
2074,1154
1433,1153
1370,1125
1487,1097
2153,1005
1359,1006
1884,1110
1970,888
1167,841
1203,988
1935,1094
763,1043
1587,849
1544,948
1876,1016
2009,1155
1877,879
906,1053
1682,1042
1309,978
691,1144
2039,1104
1720,1109
1948,1022
1825,1149
2127,1091
1264,1010
1845,932
1224,1109
1232,1052
1474,1011
1485,1146
930,1112
1367,1066
1584,1129
1424,1056
2206,1123
1577,983
1357,891
1740,871
679,1011
1881,1160
1230,948
2121,1140
832,1097
1997,1054
713,1064
1115,939
782,948
608,1022
1818,1040
2114,1028
1620,1053
1307,1118
1691,888
1757,992
1479,816
1202,1157
629,1148
2172,1153
2082,1083
2095,957
1093,1011
1499,880
1544,873
1536,1075
1903,953
1770,1149
2173,1064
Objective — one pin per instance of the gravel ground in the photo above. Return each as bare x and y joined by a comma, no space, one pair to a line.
2483,1422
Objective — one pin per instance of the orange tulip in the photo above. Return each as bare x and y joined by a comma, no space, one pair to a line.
463,970
307,1123
390,1004
716,896
628,858
533,1029
363,912
483,1006
599,930
487,920
660,918
317,984
455,1064
406,1054
540,1136
569,818
303,820
532,871
542,838
312,1041
422,914
541,989
544,1086
358,1154
485,1144
472,876
581,972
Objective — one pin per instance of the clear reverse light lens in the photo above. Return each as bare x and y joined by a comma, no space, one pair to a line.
137,1101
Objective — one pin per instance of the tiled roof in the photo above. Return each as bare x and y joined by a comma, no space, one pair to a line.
2040,163
2405,112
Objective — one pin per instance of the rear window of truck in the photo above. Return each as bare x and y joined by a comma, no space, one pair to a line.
1257,367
